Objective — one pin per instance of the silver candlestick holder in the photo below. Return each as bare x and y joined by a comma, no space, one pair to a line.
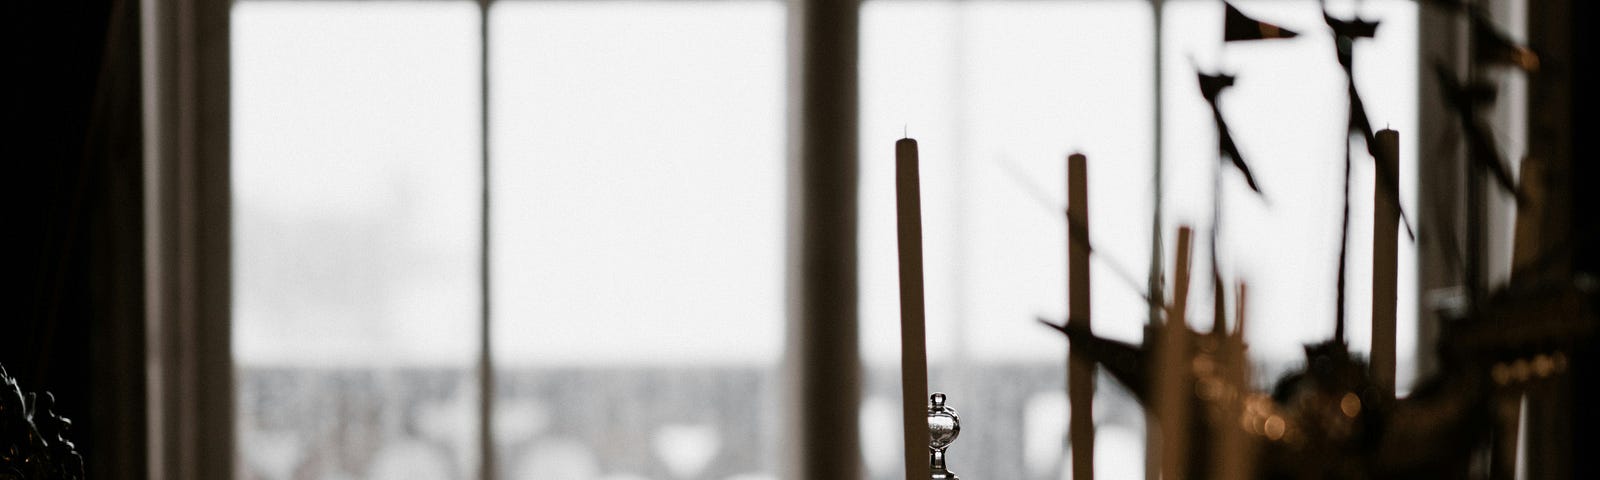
943,427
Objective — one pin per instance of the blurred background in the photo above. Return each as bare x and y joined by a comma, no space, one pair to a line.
557,239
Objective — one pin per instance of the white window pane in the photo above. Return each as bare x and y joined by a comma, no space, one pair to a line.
638,222
356,182
997,94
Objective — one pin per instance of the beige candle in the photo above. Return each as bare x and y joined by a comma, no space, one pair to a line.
1385,244
1171,381
913,340
1080,369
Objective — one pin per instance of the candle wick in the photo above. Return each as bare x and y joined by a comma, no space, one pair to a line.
905,131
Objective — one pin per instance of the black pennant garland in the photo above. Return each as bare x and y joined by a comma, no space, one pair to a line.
1351,29
1238,27
1484,150
1492,46
1211,87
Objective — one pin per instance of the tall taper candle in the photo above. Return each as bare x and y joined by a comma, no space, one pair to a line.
1236,451
913,339
1171,383
1385,239
1080,370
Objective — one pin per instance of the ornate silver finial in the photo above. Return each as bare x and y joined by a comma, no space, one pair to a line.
943,427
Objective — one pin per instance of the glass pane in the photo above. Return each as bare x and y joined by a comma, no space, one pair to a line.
997,95
356,185
638,235
1287,111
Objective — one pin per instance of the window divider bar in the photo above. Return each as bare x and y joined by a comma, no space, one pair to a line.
486,446
822,364
187,218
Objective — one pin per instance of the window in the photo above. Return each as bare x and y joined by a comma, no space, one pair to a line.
356,179
635,165
637,159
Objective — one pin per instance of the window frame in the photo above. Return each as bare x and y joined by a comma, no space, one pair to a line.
187,217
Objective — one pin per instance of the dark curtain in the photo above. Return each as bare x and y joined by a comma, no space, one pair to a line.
1586,233
72,322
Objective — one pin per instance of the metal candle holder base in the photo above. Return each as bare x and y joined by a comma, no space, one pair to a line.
943,427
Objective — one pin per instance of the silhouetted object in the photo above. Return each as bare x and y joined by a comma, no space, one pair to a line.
1080,369
943,427
1229,465
913,323
1490,47
1351,29
1482,149
1329,419
1385,269
1360,124
1172,344
33,443
1345,33
1236,26
1464,98
1332,417
1493,47
1211,87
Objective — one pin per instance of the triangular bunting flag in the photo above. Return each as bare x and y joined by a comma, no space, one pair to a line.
1237,27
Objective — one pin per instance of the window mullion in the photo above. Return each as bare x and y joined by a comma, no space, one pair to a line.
486,374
